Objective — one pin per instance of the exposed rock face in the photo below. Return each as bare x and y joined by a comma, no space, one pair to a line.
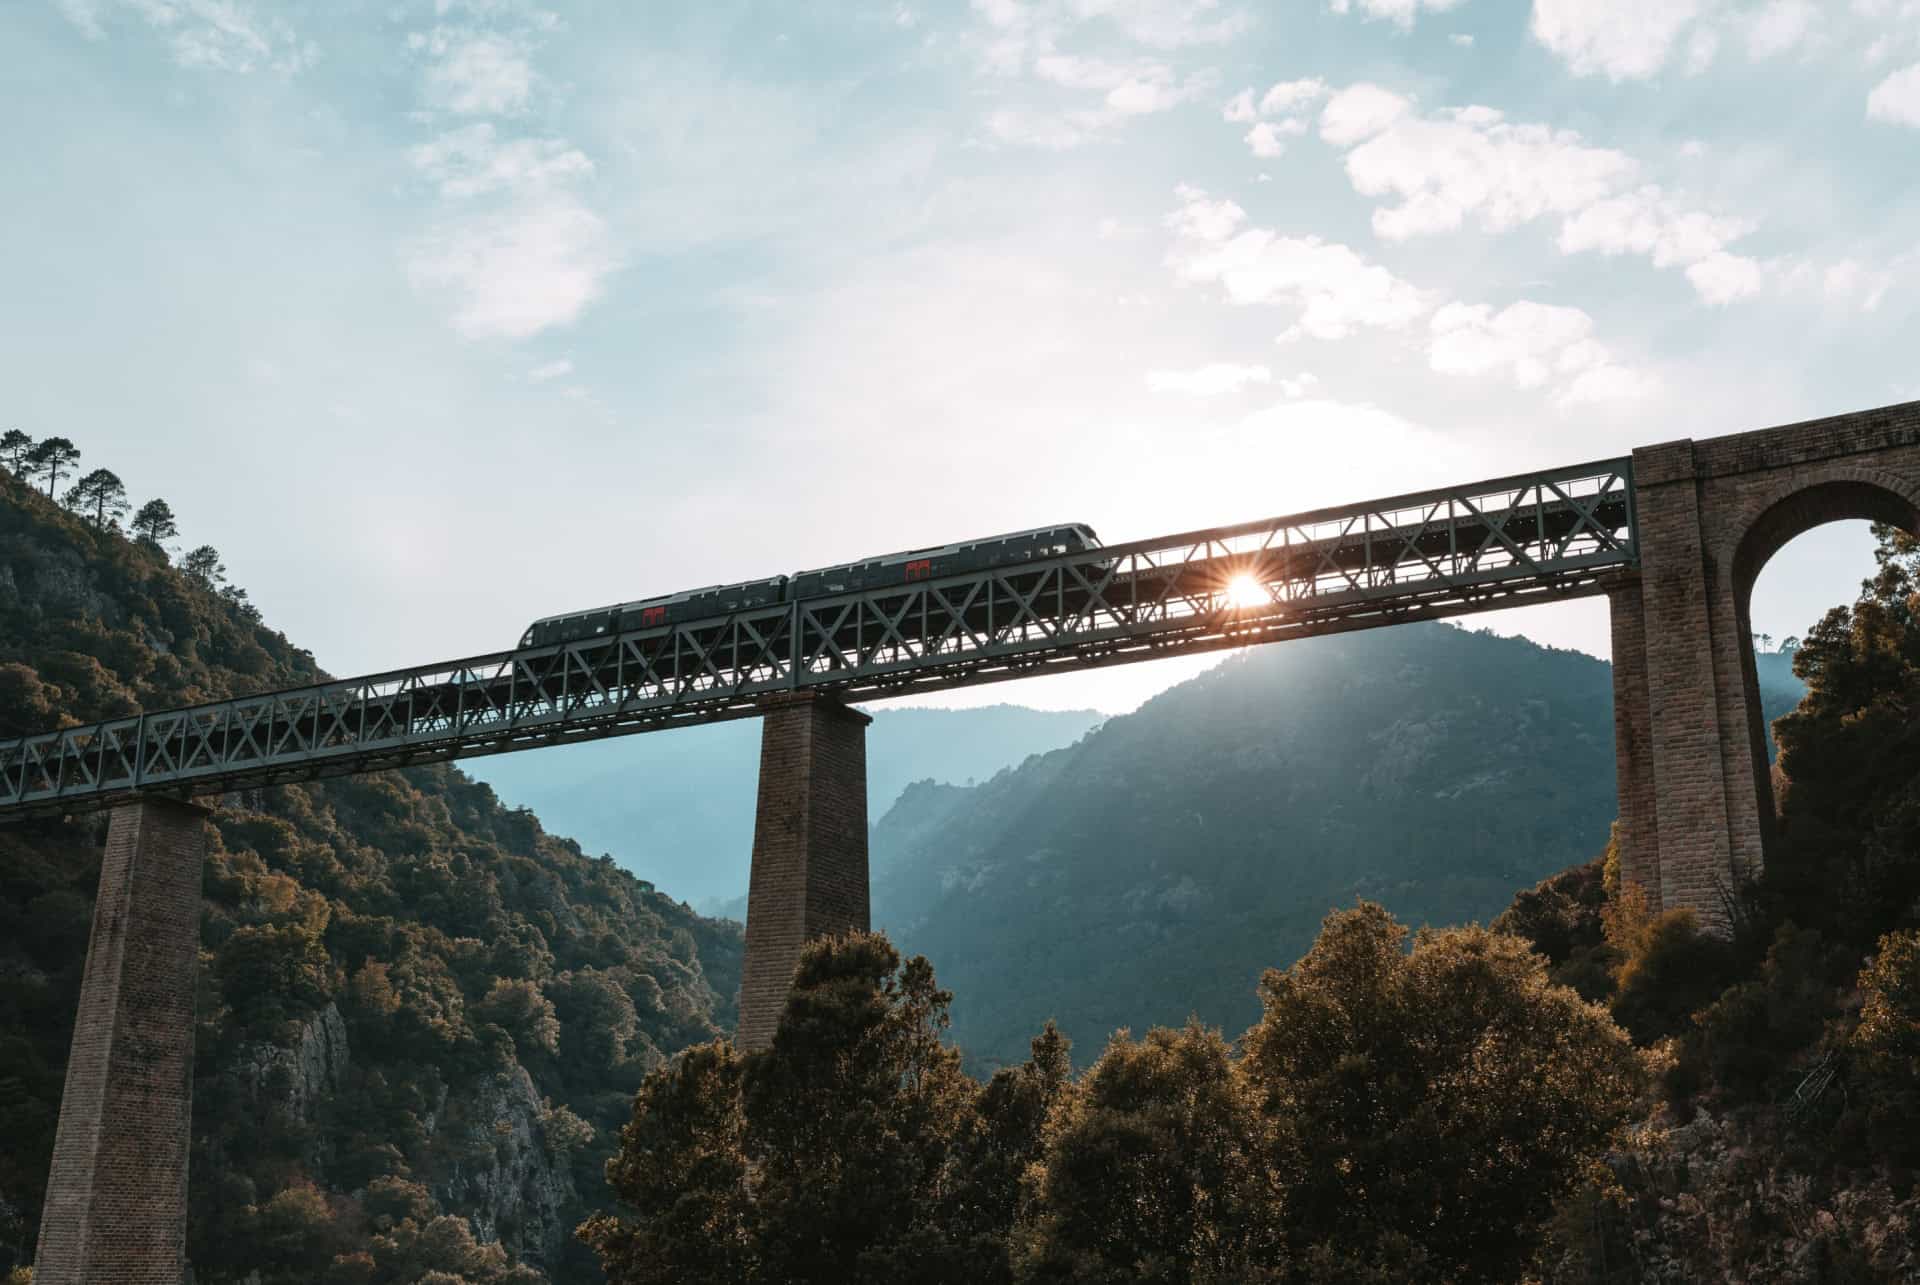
296,1076
504,1172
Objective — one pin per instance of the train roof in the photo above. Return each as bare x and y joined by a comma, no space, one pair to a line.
682,596
956,545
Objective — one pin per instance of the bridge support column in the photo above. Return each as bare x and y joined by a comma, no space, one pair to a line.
1689,800
116,1211
809,874
1638,832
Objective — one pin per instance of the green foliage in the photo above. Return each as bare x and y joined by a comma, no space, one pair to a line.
1155,1170
1669,968
1443,1098
54,457
1395,1116
1887,1043
682,1168
1847,859
852,1149
1750,1035
203,566
374,958
1563,919
853,1113
15,447
154,524
101,497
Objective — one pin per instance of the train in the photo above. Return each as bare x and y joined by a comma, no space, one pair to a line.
890,569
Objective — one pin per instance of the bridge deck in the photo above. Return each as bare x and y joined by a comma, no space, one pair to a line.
1447,552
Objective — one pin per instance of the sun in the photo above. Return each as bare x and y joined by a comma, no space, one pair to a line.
1244,591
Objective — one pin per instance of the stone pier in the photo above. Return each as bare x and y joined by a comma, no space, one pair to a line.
1696,798
116,1211
809,848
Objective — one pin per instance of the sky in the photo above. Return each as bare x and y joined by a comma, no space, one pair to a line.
437,316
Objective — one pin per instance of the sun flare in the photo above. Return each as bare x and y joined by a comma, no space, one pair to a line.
1244,591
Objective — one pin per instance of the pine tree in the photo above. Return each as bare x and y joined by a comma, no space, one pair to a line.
101,496
154,523
15,447
54,457
204,565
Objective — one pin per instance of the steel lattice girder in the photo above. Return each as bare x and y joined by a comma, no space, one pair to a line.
1435,554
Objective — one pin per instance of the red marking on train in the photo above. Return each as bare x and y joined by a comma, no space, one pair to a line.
920,569
652,616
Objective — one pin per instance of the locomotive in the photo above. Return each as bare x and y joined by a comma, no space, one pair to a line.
848,577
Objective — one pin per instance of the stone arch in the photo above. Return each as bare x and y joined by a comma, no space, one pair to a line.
1835,494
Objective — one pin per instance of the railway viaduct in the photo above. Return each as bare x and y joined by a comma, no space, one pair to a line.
1674,536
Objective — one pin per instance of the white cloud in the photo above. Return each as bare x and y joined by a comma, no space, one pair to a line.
1897,98
1335,290
550,370
1722,278
1264,139
1446,167
84,14
1400,12
471,162
1291,95
1360,111
1461,38
1208,381
1780,26
1607,383
1239,109
1022,38
1646,221
516,272
1844,282
212,35
1443,170
1165,24
1299,385
1620,39
477,73
1532,344
1522,340
1035,129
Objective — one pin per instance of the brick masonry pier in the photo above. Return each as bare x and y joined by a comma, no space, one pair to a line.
1696,797
809,874
116,1211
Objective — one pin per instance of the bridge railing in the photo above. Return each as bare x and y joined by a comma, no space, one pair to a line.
1553,533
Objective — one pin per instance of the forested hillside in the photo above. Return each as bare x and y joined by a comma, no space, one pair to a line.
421,1017
1149,870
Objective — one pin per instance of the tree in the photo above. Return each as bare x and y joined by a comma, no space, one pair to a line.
519,1008
682,1169
203,565
1441,1100
1846,859
831,1155
101,494
1887,1043
54,457
853,1113
1004,1137
154,523
15,448
1154,1171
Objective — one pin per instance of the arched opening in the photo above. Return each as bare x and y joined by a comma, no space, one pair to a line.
1818,505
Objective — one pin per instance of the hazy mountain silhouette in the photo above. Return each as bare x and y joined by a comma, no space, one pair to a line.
677,809
1153,868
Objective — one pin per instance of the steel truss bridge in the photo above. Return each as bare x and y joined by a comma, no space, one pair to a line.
1545,535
